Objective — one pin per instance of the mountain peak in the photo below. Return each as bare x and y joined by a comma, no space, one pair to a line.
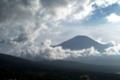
81,37
82,42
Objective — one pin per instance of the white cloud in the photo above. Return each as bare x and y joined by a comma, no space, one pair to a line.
67,9
58,53
105,3
113,18
48,52
86,11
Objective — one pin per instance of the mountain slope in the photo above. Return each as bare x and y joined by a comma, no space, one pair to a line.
82,42
15,68
7,61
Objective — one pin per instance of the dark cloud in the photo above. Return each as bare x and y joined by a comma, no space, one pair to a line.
53,3
15,8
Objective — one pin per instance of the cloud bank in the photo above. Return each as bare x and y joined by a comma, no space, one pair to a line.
58,53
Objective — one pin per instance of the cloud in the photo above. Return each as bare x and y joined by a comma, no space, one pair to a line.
17,18
105,3
50,53
113,18
66,9
17,9
46,11
114,50
53,3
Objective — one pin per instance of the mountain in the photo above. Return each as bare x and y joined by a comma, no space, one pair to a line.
15,68
82,42
20,64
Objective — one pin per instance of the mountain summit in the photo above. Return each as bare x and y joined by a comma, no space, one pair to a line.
82,42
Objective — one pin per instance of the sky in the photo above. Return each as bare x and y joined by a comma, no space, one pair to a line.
31,22
59,20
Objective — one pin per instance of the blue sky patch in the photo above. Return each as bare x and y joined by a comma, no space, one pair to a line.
99,15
